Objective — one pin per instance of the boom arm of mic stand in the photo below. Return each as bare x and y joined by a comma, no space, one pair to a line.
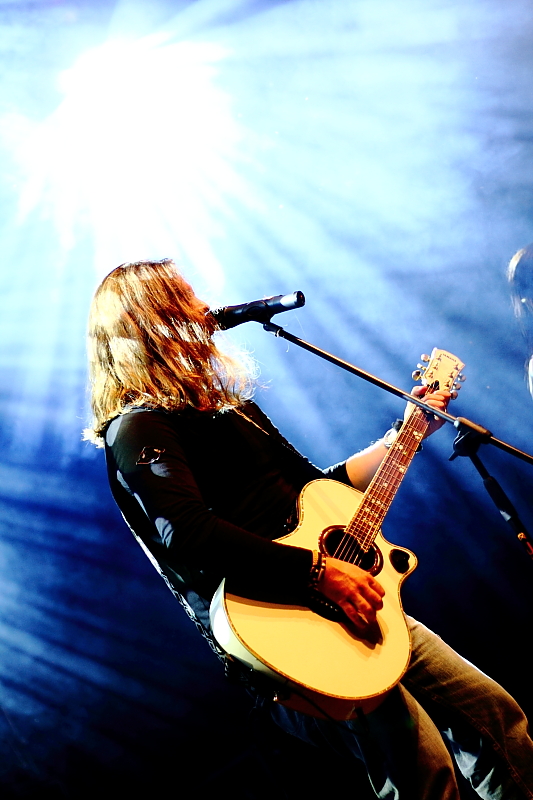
458,422
469,437
277,330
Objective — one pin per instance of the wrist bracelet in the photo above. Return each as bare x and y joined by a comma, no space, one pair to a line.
317,570
390,437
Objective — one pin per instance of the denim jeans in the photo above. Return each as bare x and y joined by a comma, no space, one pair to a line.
443,705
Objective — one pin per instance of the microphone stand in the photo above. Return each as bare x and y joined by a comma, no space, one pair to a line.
469,437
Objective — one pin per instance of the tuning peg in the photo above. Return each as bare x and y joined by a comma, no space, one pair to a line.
424,357
461,377
454,394
416,375
456,387
422,367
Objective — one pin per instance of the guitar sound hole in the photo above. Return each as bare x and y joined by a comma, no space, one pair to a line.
330,541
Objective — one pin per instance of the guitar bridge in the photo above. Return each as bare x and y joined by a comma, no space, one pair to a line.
326,608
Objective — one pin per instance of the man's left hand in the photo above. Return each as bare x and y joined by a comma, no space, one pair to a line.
438,399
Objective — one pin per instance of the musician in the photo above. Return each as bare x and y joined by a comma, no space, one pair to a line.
520,275
207,484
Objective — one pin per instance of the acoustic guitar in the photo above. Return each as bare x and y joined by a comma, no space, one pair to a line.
320,663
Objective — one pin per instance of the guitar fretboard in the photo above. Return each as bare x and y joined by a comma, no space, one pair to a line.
361,531
364,526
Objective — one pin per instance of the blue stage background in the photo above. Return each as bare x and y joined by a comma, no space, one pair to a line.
376,156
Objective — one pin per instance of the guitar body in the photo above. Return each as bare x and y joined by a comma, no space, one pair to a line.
323,666
296,645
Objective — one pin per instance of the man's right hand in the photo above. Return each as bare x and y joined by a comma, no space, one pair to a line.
353,590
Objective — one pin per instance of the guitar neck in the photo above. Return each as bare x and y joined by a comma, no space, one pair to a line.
381,491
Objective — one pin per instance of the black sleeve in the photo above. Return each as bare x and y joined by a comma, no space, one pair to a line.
190,532
309,472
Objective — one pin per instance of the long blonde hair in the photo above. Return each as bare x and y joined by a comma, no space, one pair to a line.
150,343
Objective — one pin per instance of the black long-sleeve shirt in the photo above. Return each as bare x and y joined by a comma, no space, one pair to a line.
207,493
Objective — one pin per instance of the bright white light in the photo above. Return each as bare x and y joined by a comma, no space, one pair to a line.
135,151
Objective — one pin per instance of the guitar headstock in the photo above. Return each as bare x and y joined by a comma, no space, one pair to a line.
442,371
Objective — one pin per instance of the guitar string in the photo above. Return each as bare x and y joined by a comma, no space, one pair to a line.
367,525
397,466
388,474
364,526
394,472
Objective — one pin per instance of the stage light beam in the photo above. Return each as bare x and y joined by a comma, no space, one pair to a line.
133,150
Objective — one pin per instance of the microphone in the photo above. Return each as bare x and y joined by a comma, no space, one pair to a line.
257,311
